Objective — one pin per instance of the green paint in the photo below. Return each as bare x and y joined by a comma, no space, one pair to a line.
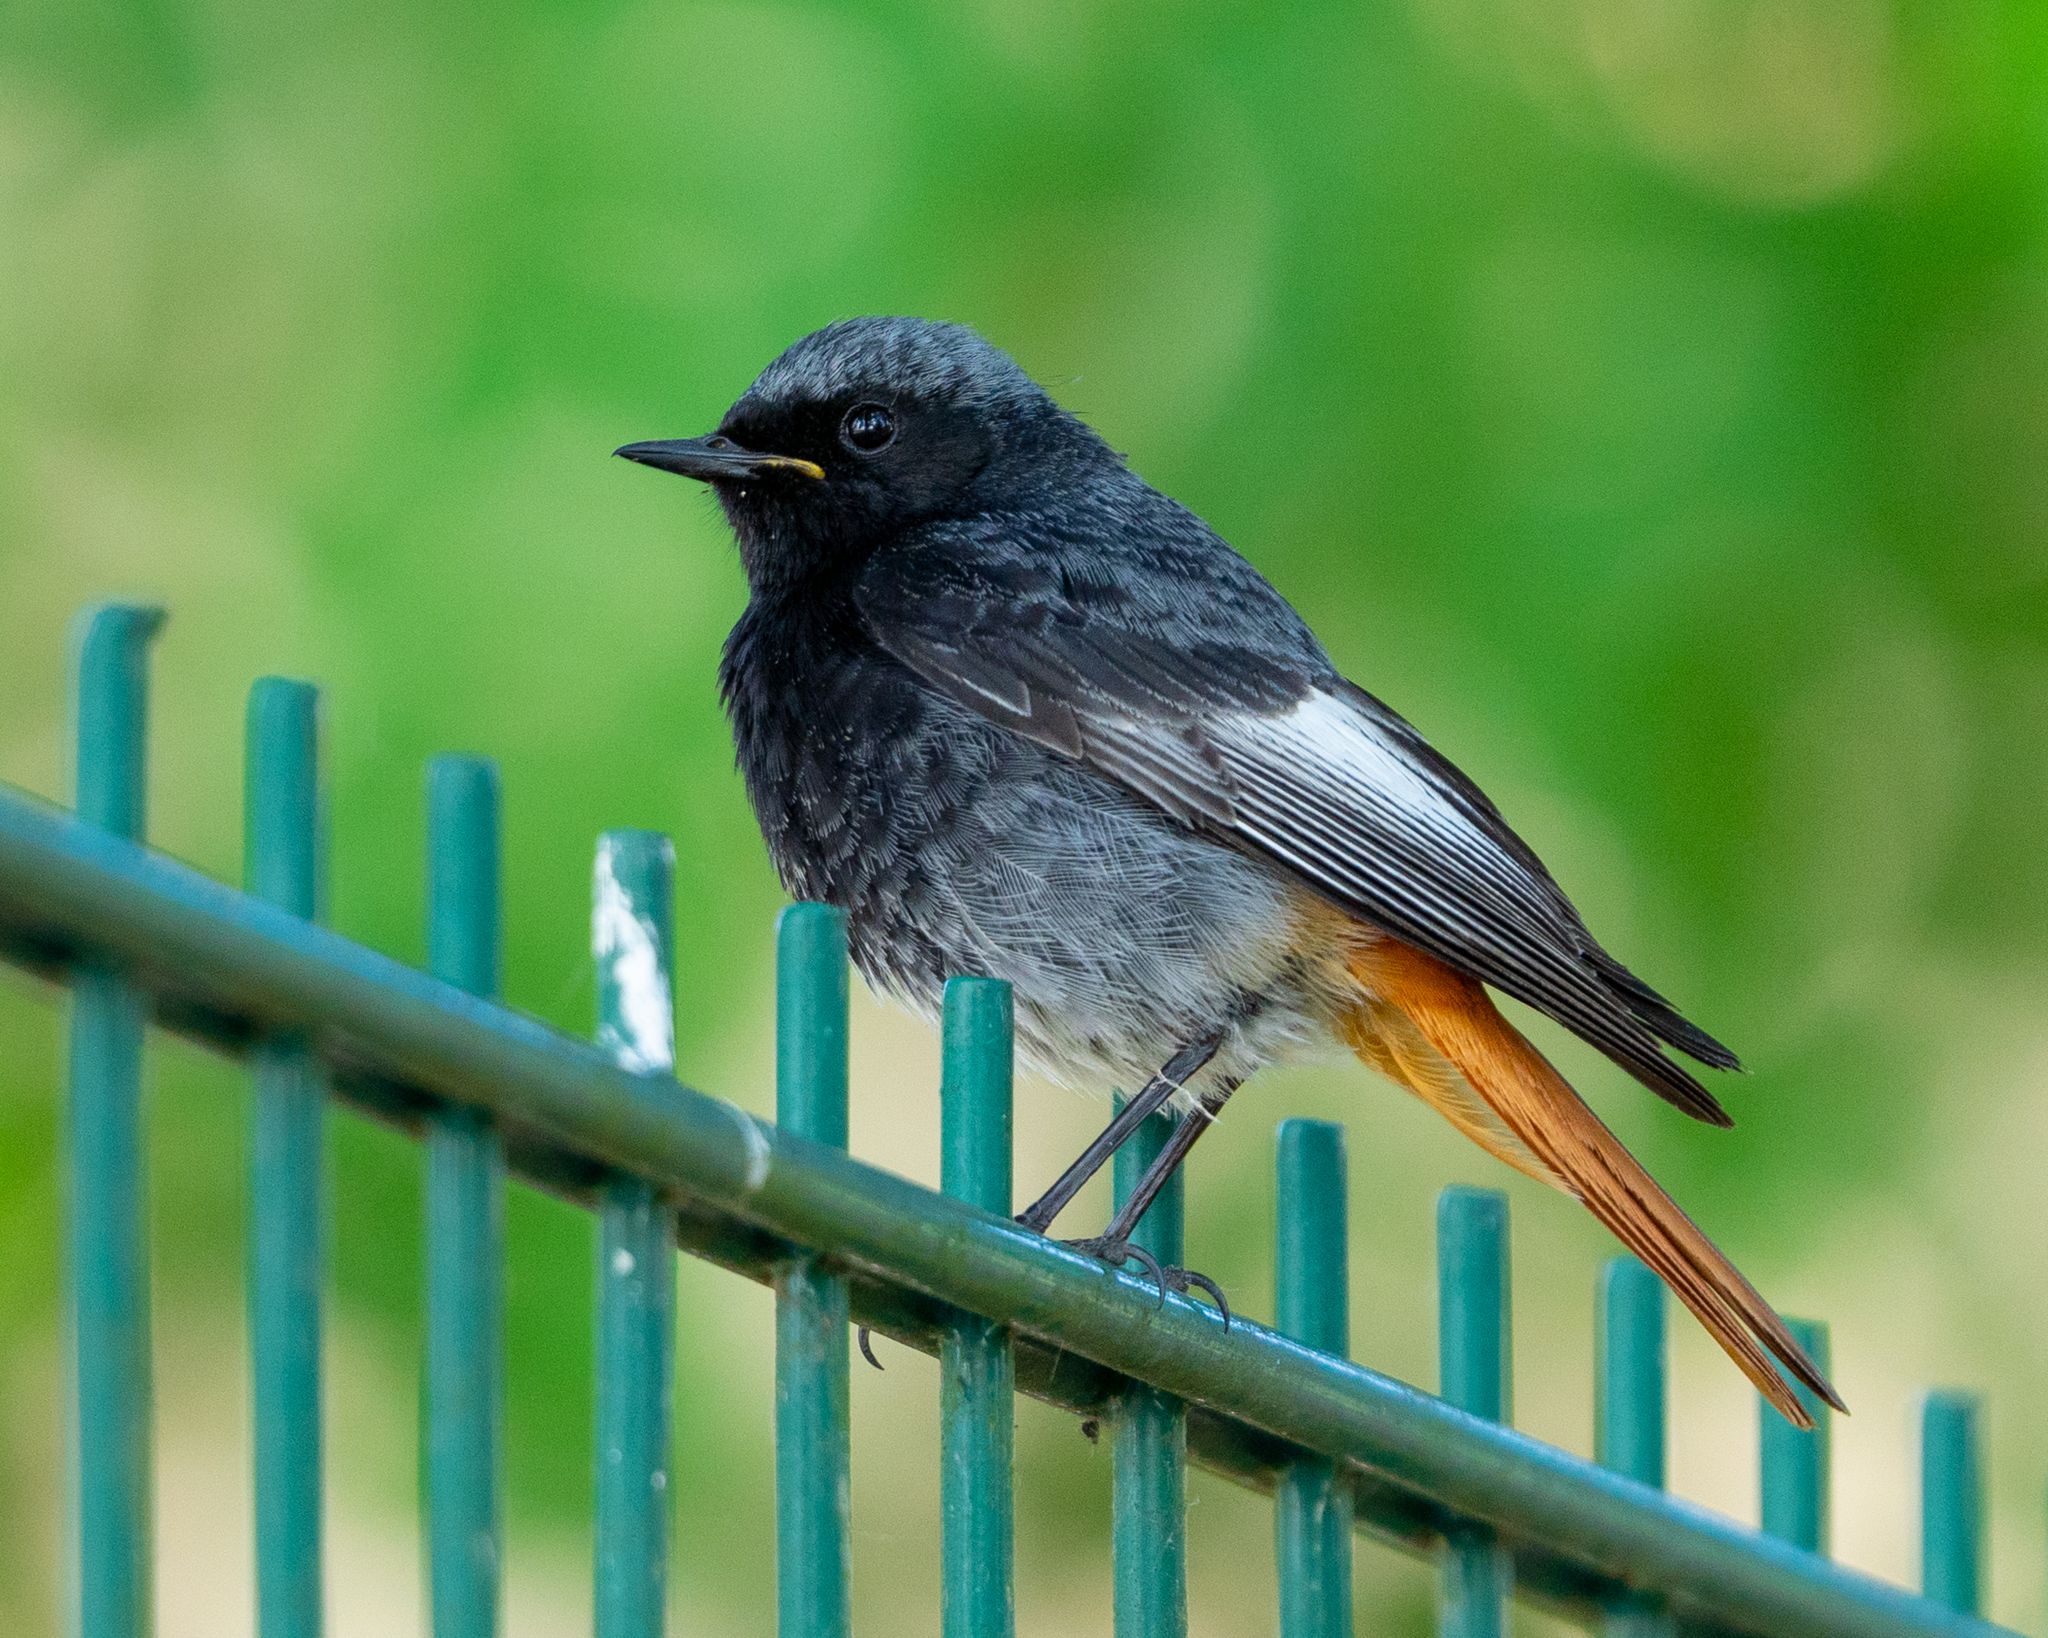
1473,1362
1628,1422
1951,1502
812,1434
635,1362
1148,1543
634,934
1312,1509
463,1382
976,1370
108,1225
1628,1409
287,1205
1794,1461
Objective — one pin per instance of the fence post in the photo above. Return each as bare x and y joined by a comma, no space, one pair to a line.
1951,1502
109,1218
1628,1417
464,1380
287,1190
812,1438
1312,1503
633,942
976,1369
1148,1527
1472,1333
1795,1461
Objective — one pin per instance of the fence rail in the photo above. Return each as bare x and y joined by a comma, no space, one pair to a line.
139,937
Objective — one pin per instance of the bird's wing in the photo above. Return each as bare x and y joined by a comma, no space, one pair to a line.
1179,672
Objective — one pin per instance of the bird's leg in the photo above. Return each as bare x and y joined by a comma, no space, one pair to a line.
1197,1121
1114,1245
1163,1086
1039,1214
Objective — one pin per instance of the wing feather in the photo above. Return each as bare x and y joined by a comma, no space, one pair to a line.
1189,680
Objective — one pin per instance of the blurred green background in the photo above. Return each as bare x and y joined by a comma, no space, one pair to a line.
1648,400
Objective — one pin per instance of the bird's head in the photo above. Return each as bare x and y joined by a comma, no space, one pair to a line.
869,427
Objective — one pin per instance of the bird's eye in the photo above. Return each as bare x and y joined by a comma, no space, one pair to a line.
868,427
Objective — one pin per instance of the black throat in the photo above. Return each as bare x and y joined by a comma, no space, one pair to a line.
814,704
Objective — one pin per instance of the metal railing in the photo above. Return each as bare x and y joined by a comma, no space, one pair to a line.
141,939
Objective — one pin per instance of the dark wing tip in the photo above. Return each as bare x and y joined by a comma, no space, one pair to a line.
1694,1042
1661,1017
1674,1085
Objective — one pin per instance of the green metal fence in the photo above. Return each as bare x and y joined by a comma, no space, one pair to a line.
142,940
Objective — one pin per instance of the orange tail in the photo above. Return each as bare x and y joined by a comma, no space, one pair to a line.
1541,1119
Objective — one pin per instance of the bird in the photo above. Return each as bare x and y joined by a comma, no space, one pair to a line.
1020,715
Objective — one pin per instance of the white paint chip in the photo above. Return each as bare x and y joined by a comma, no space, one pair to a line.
622,1262
758,1151
642,1037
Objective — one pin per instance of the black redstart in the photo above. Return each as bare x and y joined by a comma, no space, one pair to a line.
1021,715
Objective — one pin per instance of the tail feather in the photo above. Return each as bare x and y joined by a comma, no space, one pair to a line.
1455,1017
1387,1041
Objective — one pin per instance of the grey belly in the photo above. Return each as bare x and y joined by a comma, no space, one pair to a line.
1123,935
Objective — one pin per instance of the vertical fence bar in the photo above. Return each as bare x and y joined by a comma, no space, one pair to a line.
464,1379
1628,1416
812,1437
1795,1462
1472,1339
1311,1505
1148,1530
633,940
287,1191
1951,1502
109,1217
976,1369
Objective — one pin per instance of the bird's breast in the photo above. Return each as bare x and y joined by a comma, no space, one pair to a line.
958,847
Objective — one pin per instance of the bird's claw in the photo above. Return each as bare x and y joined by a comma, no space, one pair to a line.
1166,1277
1187,1278
1118,1252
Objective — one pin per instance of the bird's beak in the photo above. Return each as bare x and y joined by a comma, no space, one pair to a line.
716,459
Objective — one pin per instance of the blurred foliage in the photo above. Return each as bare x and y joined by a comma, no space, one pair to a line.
1647,400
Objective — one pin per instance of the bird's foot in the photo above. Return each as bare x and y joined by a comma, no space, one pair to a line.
1166,1277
